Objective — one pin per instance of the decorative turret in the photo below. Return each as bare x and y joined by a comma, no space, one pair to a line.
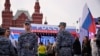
37,7
7,15
7,5
37,16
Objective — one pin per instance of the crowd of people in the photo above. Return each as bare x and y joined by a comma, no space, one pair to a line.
88,48
65,44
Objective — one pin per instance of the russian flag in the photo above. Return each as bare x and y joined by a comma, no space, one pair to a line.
88,22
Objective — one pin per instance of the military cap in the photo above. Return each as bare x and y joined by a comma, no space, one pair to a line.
62,24
27,22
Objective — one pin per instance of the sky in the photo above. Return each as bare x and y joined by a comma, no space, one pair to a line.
56,11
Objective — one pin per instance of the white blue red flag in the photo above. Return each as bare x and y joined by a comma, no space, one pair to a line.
87,24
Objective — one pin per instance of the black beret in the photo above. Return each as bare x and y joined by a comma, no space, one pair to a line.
27,22
62,24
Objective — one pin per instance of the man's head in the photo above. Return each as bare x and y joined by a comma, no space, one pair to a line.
41,43
2,31
7,32
62,25
27,25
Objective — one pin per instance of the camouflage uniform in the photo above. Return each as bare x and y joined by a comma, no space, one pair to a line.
64,43
6,48
27,44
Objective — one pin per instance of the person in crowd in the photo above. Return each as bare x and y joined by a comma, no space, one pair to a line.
42,49
13,41
7,35
64,41
50,50
77,47
48,43
98,38
94,46
6,48
86,48
27,42
54,48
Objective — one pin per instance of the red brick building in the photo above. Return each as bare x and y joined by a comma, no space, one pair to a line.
17,20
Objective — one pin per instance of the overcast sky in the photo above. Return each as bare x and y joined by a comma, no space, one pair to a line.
68,11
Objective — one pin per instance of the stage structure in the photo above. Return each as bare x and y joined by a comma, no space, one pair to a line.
45,32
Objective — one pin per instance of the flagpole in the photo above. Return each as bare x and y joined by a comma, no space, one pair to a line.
88,33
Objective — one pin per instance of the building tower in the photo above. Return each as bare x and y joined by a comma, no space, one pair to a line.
7,15
37,16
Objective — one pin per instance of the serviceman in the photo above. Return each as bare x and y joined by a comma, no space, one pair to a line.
98,38
13,41
64,41
27,42
6,47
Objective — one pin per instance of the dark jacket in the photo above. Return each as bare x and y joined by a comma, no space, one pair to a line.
6,48
77,47
64,43
86,49
27,44
98,38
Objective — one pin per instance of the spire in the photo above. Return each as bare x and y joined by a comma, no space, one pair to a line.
46,21
37,0
7,5
37,6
